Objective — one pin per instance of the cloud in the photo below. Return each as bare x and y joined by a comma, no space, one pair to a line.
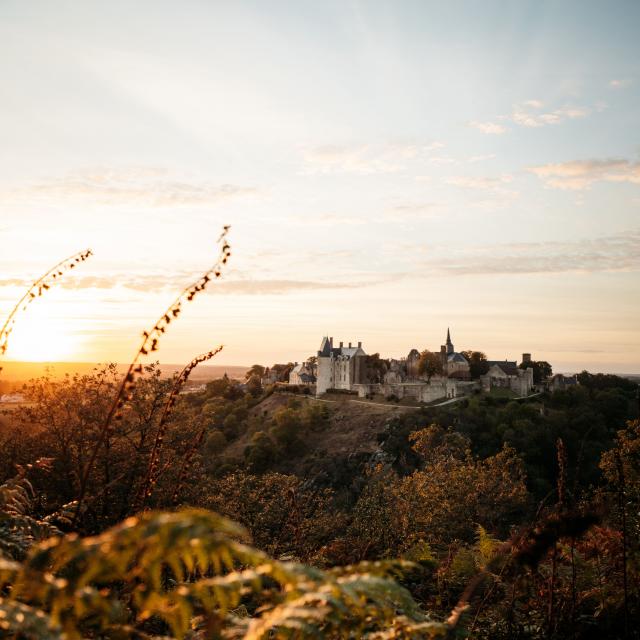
480,182
325,220
488,156
365,158
156,282
488,127
412,211
620,252
441,160
149,187
529,114
620,83
581,174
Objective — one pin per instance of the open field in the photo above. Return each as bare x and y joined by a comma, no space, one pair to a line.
23,371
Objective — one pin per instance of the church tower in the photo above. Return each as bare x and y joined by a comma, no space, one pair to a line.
449,344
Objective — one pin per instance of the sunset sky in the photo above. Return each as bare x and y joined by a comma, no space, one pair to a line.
389,169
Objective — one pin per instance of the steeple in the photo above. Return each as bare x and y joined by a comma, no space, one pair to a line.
449,343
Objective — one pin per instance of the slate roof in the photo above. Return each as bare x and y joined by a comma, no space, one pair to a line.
350,351
510,367
325,350
457,357
325,347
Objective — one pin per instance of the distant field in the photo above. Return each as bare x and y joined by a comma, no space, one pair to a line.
23,371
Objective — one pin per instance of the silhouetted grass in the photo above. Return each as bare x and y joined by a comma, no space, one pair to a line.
39,286
150,343
154,460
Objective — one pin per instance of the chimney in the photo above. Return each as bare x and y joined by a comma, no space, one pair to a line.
349,345
331,342
359,345
526,358
341,344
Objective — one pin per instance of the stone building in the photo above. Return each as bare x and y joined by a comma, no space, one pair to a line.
302,374
560,381
506,374
412,362
339,367
346,368
454,364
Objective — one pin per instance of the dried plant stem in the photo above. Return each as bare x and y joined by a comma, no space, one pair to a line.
150,343
186,463
623,515
43,283
152,470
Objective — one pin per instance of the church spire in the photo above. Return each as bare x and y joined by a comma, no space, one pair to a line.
449,343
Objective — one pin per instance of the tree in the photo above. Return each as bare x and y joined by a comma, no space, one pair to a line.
256,371
375,368
288,423
541,369
478,364
254,386
64,418
429,364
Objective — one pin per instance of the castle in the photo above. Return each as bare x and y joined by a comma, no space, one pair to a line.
351,369
339,367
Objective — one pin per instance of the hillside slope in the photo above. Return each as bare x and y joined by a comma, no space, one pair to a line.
351,429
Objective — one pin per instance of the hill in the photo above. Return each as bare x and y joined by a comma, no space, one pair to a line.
22,371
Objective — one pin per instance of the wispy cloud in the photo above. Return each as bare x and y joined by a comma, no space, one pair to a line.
325,220
482,158
155,283
488,127
365,158
620,83
149,187
581,174
532,114
413,211
620,252
483,183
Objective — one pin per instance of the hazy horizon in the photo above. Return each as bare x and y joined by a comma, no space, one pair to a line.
389,170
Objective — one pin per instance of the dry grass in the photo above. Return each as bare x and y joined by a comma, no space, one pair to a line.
151,343
153,474
39,286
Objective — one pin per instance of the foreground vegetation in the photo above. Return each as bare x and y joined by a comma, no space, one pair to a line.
131,510
535,505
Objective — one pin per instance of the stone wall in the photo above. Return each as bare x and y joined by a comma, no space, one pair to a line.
437,389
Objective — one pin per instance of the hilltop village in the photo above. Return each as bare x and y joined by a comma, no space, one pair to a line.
424,376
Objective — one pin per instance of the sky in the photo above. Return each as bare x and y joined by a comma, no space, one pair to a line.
389,169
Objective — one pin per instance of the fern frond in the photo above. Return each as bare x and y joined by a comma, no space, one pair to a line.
17,619
486,546
192,566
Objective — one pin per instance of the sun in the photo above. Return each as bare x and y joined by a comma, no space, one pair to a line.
37,337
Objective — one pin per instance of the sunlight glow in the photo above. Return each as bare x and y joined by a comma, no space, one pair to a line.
39,338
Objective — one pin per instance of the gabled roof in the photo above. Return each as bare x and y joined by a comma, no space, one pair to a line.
457,357
327,349
510,367
350,351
